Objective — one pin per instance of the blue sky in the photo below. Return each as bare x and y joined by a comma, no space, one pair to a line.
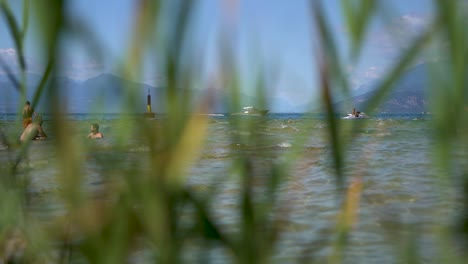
275,34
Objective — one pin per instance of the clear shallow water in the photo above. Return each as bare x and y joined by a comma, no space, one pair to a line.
391,154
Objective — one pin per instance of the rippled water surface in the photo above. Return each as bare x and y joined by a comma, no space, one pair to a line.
401,195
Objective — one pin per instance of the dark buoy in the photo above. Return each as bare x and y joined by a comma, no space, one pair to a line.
148,113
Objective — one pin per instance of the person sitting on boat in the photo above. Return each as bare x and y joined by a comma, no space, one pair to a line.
33,131
95,132
355,113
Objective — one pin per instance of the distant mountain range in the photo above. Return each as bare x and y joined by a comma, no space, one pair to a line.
102,94
408,94
108,93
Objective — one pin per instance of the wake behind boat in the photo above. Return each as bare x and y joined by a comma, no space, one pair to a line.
251,111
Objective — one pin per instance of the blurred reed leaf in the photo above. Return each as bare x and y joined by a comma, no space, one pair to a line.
205,222
11,76
187,149
408,56
144,25
327,51
450,100
347,218
16,32
26,4
53,22
358,16
42,84
327,58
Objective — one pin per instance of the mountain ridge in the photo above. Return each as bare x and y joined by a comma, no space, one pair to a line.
107,93
408,94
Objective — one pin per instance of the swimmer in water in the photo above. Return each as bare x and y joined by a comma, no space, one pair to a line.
95,132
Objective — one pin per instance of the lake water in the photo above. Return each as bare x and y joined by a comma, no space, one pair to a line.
401,196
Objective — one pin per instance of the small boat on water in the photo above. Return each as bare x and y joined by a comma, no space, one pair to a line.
355,115
251,111
351,116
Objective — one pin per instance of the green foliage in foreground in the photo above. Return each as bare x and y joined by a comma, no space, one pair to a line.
147,205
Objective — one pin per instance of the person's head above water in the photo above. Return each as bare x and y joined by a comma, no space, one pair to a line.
95,131
94,127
